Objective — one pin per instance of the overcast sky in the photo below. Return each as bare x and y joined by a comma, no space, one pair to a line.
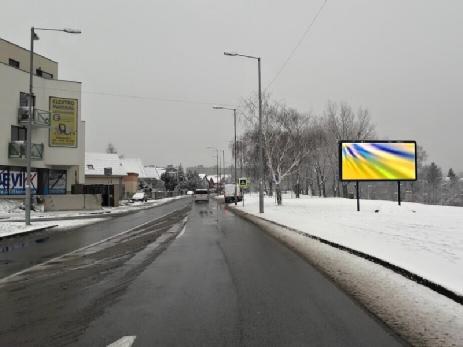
403,60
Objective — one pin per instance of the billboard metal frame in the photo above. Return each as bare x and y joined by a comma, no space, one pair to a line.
357,182
373,180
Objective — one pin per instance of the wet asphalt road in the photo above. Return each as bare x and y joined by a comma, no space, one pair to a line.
215,281
20,253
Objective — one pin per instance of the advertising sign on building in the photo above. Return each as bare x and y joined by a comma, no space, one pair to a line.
63,122
14,182
378,161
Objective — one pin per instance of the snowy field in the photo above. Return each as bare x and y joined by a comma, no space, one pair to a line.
423,239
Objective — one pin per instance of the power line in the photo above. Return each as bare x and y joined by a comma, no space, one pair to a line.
306,32
141,97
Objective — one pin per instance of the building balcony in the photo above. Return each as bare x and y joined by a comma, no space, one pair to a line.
41,118
17,150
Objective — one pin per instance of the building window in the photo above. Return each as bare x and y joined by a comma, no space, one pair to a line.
18,133
24,99
13,63
90,167
43,74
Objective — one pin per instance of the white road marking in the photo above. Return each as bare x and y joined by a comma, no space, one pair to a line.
185,220
181,233
125,341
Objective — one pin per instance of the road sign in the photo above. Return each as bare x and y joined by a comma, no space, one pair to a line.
244,183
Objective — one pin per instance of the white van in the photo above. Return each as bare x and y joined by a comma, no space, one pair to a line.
201,195
229,194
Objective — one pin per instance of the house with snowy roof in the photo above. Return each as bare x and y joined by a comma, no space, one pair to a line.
104,174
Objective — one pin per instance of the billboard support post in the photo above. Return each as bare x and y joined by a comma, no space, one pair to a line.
367,160
398,192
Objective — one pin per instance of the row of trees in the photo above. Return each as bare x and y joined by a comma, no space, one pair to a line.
301,152
175,178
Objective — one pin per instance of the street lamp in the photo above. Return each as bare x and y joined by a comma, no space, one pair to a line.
217,177
34,37
261,149
234,118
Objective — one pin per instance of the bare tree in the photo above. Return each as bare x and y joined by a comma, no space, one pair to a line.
111,149
285,138
342,123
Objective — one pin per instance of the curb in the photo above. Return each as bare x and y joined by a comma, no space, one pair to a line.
89,216
401,271
27,232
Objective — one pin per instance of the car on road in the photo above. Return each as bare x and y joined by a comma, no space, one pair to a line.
229,193
201,195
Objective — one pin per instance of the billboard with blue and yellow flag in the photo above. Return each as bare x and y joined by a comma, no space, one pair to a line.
377,161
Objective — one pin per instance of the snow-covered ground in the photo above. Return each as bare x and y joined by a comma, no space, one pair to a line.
423,239
12,217
15,228
10,211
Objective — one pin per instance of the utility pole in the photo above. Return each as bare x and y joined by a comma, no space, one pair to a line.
28,184
234,147
261,148
261,144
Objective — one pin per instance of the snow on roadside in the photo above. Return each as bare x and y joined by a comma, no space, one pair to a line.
9,210
15,228
417,313
423,239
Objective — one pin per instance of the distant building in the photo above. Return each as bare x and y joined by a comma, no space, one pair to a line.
58,134
153,177
135,173
104,174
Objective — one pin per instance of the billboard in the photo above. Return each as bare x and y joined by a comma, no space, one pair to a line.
63,122
377,160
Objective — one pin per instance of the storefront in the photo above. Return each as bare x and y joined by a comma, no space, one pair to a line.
44,181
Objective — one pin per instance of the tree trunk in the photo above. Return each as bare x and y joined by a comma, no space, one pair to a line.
278,191
298,188
344,190
270,184
323,186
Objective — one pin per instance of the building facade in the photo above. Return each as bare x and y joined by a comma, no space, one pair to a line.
58,133
105,174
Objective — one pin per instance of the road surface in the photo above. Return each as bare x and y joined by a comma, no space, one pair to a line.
198,276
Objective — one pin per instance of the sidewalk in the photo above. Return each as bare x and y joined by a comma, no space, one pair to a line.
17,215
12,223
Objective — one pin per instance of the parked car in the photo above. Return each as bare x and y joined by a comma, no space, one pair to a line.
139,196
229,193
201,195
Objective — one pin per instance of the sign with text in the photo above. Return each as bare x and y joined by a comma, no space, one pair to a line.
377,161
14,182
63,122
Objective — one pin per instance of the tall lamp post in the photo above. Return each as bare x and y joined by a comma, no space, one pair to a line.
234,119
261,149
34,37
217,177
